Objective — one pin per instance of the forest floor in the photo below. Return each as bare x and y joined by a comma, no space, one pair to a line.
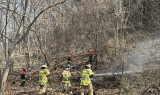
145,82
142,83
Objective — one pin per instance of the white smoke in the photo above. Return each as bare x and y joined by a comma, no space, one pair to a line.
148,50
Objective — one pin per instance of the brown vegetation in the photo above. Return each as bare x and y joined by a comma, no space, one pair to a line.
113,28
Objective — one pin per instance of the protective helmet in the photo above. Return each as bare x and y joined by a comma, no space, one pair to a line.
44,66
70,52
24,68
68,65
69,55
24,72
89,66
45,63
92,51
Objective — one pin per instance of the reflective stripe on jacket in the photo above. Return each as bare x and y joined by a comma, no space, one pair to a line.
43,73
66,74
85,80
23,77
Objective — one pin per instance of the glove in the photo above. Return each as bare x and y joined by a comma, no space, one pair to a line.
48,75
91,76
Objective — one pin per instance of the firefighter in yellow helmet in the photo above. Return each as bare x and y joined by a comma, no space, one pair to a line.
67,89
43,79
85,80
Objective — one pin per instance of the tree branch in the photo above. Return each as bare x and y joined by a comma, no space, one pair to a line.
16,13
23,18
41,49
6,37
29,27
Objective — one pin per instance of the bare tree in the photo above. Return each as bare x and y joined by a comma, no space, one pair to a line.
17,40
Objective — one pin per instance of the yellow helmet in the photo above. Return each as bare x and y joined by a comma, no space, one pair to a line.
44,66
88,66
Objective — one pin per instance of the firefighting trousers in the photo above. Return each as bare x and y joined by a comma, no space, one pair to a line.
22,83
42,89
67,89
83,89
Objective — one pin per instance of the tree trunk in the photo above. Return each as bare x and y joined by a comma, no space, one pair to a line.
6,30
6,71
14,29
17,40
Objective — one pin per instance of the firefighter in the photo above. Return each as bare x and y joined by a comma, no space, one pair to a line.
66,81
24,69
23,78
38,50
69,59
43,79
27,55
86,81
45,63
90,57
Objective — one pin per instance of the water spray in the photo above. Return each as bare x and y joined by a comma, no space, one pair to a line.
109,74
112,74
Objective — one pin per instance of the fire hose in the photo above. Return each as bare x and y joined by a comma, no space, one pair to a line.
106,74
